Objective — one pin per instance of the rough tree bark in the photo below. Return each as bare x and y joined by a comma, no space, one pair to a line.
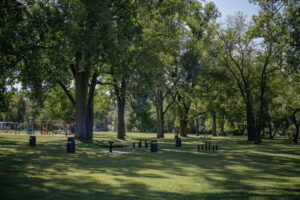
295,139
251,129
121,101
159,113
197,127
121,121
81,89
183,127
90,115
184,116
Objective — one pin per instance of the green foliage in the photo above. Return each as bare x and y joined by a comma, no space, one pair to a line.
103,105
17,109
141,115
278,21
57,107
195,59
152,54
21,107
278,24
11,16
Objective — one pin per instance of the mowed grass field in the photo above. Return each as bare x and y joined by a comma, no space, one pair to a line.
241,170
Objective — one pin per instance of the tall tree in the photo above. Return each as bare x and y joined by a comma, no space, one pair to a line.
194,59
278,24
69,41
248,62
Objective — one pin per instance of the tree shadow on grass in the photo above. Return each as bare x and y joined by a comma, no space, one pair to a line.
48,172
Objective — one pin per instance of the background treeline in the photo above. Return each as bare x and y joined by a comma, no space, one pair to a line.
152,66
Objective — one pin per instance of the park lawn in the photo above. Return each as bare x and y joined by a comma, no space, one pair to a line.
241,170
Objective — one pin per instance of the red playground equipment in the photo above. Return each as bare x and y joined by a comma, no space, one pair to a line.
45,127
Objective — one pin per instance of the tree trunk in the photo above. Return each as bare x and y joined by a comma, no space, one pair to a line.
121,118
90,115
214,128
184,115
297,124
183,127
159,113
120,92
162,122
270,129
295,139
197,127
81,88
251,129
83,102
261,122
81,99
222,128
159,119
90,121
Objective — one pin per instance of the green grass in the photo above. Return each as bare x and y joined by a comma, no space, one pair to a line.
242,171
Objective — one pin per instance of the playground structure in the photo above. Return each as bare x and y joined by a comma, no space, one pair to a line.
45,127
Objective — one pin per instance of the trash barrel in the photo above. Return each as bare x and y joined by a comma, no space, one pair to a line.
153,146
178,142
32,141
71,145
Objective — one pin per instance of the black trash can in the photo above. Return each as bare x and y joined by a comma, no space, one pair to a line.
153,146
178,142
71,145
32,140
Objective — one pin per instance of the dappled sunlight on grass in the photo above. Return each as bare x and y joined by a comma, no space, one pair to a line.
242,171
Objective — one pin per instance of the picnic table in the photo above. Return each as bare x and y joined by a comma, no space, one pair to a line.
111,145
140,143
207,147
